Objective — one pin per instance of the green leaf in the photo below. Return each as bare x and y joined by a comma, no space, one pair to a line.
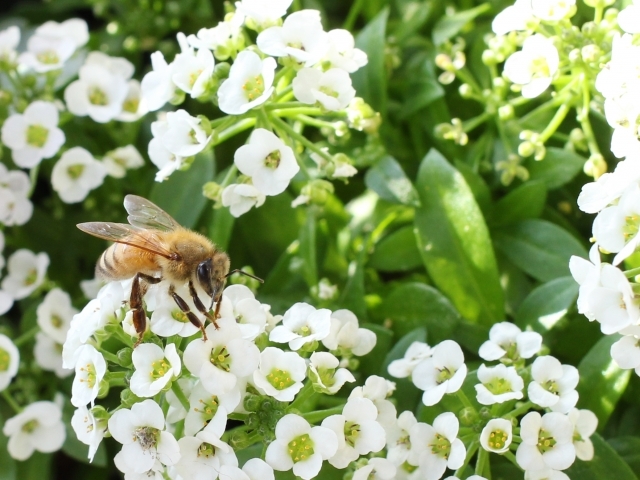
558,167
416,305
539,248
628,447
308,249
221,227
477,185
37,467
7,464
605,465
450,25
602,382
353,293
547,304
407,394
397,252
421,92
181,195
526,201
389,181
455,244
370,81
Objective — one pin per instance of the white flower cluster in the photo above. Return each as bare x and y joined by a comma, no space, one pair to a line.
104,91
321,62
206,381
550,442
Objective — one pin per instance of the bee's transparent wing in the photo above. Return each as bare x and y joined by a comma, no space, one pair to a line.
127,234
146,214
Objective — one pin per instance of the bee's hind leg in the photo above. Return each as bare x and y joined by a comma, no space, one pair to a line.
187,311
138,288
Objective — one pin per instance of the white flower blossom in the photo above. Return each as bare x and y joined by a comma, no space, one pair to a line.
584,424
90,370
25,273
225,39
240,198
157,86
302,324
34,134
239,302
45,53
155,368
280,374
626,351
15,206
262,13
546,442
253,469
506,339
54,314
331,89
341,52
76,174
553,384
325,374
9,361
376,469
346,337
117,162
399,439
514,17
441,373
203,406
300,447
134,106
268,161
141,431
587,274
403,367
552,10
48,355
89,429
9,40
38,427
250,83
609,187
74,29
378,389
499,384
497,435
534,66
193,72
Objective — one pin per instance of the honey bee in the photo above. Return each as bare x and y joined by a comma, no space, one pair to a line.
154,247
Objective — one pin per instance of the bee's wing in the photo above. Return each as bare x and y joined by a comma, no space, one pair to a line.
145,214
127,234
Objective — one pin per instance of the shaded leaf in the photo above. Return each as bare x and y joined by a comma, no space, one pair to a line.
454,242
450,25
628,447
547,304
526,201
558,167
389,181
605,465
396,252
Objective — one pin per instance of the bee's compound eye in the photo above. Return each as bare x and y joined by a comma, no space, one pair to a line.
203,273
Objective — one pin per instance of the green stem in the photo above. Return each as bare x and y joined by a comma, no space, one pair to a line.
314,417
299,137
315,122
555,122
33,177
113,358
464,399
632,273
482,463
26,336
521,409
511,457
226,134
584,119
12,403
177,390
472,123
354,11
597,15
303,395
281,105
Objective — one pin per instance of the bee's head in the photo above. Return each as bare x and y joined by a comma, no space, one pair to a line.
212,275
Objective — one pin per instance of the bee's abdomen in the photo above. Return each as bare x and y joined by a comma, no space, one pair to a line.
119,262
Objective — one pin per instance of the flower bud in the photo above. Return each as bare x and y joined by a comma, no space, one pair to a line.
128,398
489,57
124,356
465,90
317,191
506,112
103,390
468,416
526,149
596,166
212,191
252,402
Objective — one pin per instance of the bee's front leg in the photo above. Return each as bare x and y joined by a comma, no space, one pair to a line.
201,308
187,311
138,289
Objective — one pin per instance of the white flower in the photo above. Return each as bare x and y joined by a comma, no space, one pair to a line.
280,374
192,72
74,29
239,302
141,431
595,196
76,174
90,371
546,442
34,134
9,361
89,429
552,10
181,134
15,207
263,13
9,40
54,314
38,427
90,288
346,337
167,319
403,367
534,66
253,469
26,272
506,339
357,431
240,198
300,447
497,435
376,469
250,83
157,86
204,454
45,53
177,411
629,18
225,39
553,384
332,89
98,93
268,161
341,52
325,374
203,406
499,384
514,17
441,373
155,368
223,358
301,37
587,274
118,161
302,324
436,448
162,158
626,351
377,389
398,438
584,424
134,106
545,474
48,355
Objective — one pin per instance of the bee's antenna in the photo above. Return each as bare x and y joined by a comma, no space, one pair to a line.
244,273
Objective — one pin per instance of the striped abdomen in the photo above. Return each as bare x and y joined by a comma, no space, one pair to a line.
120,261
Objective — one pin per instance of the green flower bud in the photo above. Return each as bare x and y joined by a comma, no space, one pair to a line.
526,149
128,398
596,166
465,90
103,390
124,355
506,112
252,402
212,190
